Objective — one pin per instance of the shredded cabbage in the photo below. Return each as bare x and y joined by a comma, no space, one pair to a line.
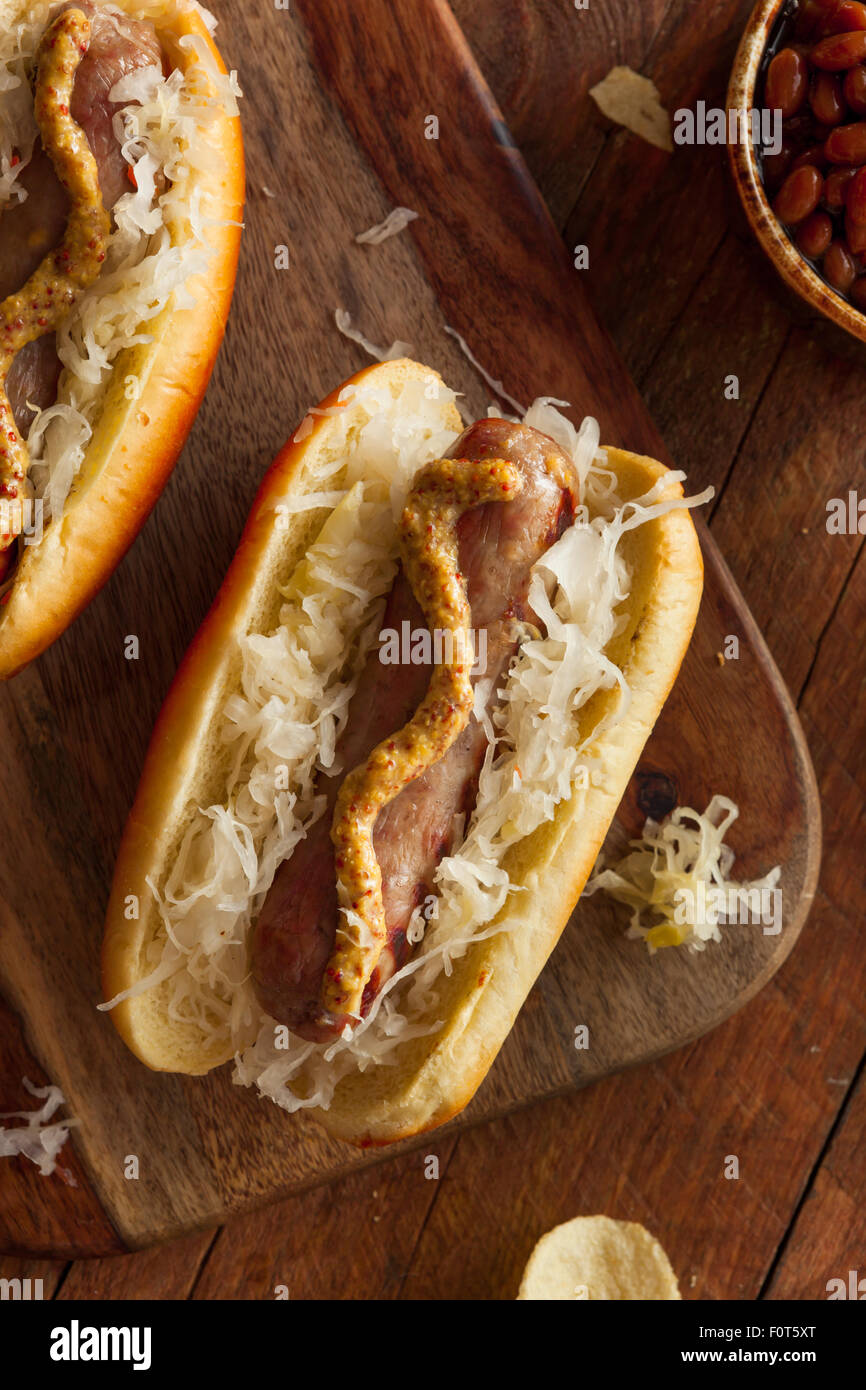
395,222
677,880
164,132
285,720
496,386
343,320
37,1139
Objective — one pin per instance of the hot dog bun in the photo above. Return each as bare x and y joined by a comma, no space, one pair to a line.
136,442
432,1076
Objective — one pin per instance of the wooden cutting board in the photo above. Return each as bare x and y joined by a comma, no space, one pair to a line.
336,114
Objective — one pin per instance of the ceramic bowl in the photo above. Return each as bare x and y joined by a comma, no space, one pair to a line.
794,269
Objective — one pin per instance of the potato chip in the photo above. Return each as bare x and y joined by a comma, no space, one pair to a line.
595,1257
633,101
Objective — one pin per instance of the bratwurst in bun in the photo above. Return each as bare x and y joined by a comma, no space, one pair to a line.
121,190
389,759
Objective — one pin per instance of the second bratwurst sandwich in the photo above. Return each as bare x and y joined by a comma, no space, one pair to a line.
121,193
390,757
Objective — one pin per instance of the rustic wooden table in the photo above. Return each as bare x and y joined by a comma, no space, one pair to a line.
689,301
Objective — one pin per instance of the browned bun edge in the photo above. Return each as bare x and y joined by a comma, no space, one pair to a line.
135,444
435,1076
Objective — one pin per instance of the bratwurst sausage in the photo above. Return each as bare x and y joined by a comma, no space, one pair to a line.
497,545
118,45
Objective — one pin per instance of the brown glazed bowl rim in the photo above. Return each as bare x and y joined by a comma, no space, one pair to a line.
773,239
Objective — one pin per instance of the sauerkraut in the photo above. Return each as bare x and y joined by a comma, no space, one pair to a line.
343,320
396,221
37,1138
284,724
160,237
676,879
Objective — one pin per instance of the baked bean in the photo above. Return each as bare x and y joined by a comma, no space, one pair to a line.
855,198
799,195
787,82
838,266
836,187
825,98
854,90
817,178
827,11
808,16
857,293
839,51
848,16
847,144
814,235
837,16
813,16
855,235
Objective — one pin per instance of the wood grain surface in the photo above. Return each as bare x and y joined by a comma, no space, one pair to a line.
771,1085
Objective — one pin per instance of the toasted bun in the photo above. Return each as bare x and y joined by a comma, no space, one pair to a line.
136,443
595,1258
434,1076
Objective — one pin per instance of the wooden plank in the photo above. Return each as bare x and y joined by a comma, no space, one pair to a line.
482,222
654,221
165,1272
771,521
541,57
44,1277
827,1239
802,447
704,388
829,1233
353,1239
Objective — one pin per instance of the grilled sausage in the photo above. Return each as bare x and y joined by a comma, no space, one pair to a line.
498,543
28,230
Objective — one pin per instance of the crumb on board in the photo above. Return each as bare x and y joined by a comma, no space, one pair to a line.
633,101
